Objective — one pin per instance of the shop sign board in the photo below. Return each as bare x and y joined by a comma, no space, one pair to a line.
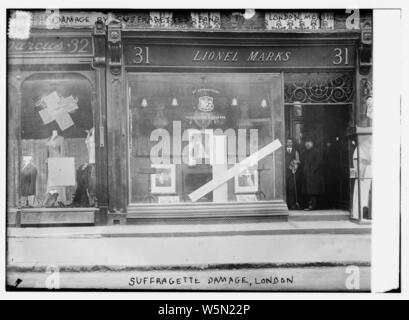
300,56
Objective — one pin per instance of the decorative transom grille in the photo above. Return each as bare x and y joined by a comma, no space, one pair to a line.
319,88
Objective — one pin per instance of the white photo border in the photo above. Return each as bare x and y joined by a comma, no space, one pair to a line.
248,189
164,190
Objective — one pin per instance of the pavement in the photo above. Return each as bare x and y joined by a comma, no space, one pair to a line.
301,254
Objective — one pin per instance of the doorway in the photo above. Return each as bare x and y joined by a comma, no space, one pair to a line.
326,125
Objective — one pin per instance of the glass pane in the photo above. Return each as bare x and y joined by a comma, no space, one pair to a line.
12,147
362,192
186,130
57,142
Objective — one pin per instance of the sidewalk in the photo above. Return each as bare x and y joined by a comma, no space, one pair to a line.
331,222
306,248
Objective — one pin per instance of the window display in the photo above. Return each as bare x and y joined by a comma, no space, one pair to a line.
57,141
186,130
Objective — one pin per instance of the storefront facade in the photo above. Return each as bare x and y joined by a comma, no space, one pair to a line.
146,116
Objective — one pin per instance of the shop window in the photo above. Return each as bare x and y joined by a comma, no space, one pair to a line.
57,142
188,129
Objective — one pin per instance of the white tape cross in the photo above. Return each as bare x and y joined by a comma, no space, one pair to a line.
237,169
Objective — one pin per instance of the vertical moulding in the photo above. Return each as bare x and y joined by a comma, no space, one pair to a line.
116,117
100,109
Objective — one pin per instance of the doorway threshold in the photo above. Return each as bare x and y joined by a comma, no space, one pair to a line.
319,215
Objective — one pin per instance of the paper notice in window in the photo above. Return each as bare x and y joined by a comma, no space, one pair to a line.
63,120
45,116
61,172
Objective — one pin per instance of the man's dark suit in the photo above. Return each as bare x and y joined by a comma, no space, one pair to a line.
291,183
313,182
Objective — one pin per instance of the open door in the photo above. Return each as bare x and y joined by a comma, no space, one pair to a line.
326,126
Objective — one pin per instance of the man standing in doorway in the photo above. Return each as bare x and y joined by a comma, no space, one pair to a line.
313,182
292,161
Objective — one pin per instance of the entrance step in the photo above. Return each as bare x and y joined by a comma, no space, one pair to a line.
319,215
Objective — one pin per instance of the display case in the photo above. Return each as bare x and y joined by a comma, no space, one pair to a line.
57,141
187,129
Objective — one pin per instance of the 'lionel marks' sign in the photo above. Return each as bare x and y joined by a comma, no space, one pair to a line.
52,46
307,56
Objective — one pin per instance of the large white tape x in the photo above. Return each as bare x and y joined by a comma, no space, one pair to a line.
237,169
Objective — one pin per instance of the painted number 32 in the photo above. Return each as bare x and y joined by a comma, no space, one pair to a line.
340,56
79,45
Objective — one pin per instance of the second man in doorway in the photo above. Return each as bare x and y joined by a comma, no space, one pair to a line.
313,180
292,161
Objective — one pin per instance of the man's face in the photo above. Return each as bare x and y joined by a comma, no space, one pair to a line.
309,145
289,143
